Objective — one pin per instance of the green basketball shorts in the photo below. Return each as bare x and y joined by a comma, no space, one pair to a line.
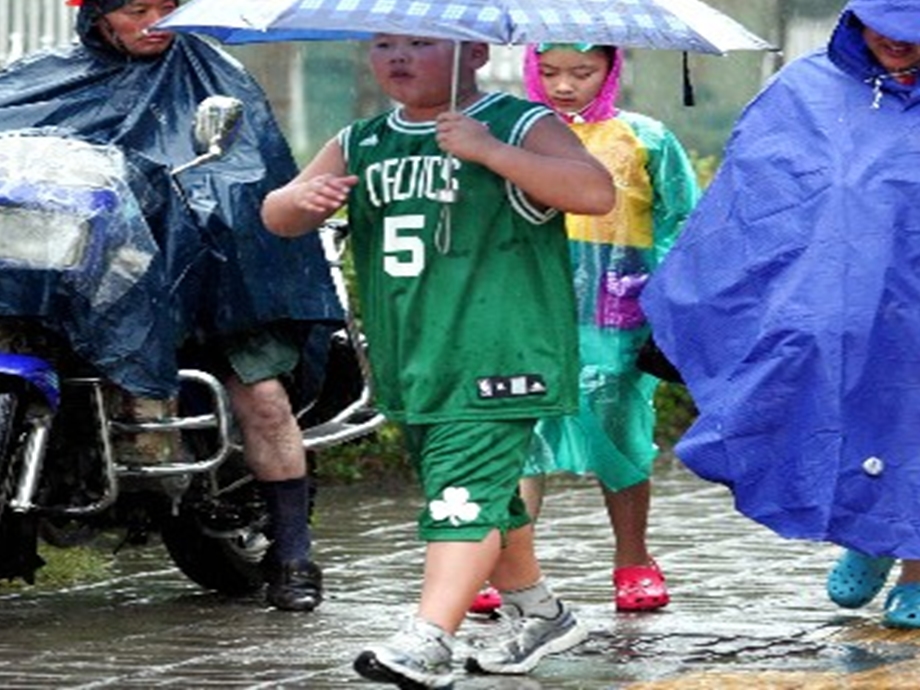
469,473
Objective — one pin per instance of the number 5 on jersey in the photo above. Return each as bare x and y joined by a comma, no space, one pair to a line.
403,249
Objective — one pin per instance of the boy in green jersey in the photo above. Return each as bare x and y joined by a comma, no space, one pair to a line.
470,315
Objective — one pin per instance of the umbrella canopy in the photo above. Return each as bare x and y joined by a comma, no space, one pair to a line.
686,25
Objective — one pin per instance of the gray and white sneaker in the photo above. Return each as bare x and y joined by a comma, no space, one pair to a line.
417,657
525,640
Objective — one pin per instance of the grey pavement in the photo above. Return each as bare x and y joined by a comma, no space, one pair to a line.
748,609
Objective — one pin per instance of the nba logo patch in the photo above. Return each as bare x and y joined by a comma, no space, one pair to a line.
517,386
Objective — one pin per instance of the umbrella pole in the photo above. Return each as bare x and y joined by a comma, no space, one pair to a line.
448,195
455,78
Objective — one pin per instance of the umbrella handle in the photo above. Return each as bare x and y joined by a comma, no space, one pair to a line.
444,233
448,195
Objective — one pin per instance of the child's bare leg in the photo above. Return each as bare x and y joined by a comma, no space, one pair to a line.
517,566
454,573
638,584
532,491
628,512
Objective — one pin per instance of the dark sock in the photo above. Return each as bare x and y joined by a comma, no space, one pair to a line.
288,507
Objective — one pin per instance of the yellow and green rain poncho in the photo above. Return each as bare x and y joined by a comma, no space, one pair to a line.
613,257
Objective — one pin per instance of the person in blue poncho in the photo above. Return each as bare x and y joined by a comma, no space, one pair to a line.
791,306
248,299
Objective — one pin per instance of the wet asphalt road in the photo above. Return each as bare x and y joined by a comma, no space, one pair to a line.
748,609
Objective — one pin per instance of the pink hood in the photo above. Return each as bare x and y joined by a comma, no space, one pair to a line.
601,108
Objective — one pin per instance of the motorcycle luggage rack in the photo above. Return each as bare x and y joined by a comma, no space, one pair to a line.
219,419
357,420
36,445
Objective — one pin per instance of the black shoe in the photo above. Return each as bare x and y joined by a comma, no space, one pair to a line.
294,586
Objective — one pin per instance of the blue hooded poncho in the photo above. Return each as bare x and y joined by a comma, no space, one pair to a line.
223,271
791,302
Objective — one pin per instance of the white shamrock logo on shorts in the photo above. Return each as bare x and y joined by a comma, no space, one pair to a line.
454,506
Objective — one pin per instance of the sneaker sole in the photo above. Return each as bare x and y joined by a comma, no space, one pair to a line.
368,666
572,638
302,606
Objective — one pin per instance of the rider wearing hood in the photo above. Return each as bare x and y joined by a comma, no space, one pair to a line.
93,26
224,266
791,306
243,292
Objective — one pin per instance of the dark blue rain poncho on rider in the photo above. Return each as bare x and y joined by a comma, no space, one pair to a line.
224,272
791,302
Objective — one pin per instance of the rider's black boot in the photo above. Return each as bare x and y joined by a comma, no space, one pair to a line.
294,586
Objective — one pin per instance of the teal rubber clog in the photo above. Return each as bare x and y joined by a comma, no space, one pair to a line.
902,607
856,579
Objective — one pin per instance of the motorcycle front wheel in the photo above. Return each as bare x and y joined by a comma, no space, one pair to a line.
228,563
218,538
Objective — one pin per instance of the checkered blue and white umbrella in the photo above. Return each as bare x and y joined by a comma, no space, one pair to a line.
685,25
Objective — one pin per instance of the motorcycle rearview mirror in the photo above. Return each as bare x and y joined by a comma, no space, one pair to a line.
216,125
217,122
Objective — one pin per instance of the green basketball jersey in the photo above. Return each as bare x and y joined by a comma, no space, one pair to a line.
468,306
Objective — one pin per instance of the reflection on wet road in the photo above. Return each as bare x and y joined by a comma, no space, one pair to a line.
748,609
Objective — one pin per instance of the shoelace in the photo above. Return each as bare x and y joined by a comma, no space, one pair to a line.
506,625
412,638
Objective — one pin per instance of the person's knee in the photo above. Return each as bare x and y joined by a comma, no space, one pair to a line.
263,404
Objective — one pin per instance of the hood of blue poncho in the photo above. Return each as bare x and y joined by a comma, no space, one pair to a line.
897,19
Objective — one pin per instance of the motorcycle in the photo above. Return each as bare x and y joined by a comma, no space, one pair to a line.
72,463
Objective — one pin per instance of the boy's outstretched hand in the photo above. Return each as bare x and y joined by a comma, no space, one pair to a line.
324,193
305,202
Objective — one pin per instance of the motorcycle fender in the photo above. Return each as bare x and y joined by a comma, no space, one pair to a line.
36,371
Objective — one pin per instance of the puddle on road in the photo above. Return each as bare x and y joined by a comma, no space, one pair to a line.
149,627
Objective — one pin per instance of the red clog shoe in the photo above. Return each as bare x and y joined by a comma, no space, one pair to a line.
640,588
486,602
